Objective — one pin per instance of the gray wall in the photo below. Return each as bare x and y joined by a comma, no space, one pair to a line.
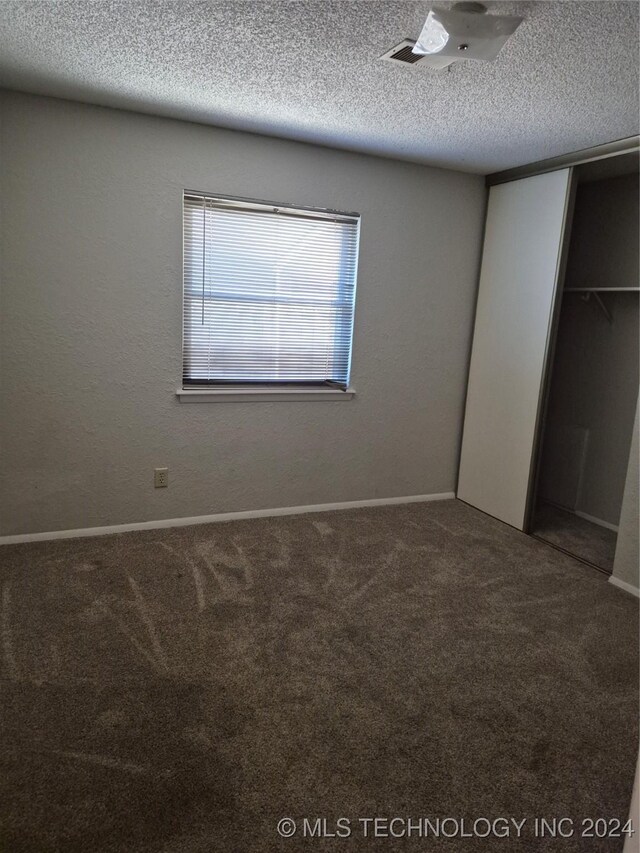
91,338
594,386
604,238
626,566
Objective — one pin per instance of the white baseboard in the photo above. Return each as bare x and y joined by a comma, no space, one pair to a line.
586,516
595,520
627,587
221,516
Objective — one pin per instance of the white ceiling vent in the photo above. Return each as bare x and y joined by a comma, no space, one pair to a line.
464,32
402,54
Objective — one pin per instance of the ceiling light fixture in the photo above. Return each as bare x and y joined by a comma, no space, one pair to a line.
463,29
433,37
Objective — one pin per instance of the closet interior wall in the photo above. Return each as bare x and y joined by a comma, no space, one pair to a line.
594,383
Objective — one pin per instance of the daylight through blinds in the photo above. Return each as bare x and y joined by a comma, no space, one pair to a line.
269,293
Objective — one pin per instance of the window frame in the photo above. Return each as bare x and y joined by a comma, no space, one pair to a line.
230,391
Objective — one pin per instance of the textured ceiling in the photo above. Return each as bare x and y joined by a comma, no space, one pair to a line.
567,79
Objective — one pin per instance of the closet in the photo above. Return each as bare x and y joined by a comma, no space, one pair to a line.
553,381
593,388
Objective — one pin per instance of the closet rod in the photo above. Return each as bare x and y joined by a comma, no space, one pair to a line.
602,290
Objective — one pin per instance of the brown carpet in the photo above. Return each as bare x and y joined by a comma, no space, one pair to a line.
180,691
569,531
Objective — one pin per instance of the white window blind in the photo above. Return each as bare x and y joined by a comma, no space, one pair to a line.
269,293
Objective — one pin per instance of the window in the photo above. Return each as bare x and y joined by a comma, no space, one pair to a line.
269,293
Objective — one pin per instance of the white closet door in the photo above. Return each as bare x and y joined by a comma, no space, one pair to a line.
518,282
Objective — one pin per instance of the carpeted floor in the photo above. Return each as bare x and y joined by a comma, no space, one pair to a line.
181,691
583,538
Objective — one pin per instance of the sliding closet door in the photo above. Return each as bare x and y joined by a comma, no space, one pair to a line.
521,263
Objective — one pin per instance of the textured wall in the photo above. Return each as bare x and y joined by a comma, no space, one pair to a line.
91,308
626,566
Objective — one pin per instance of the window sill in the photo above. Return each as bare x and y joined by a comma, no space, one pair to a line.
260,395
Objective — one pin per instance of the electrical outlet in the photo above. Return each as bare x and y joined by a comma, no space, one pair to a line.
161,478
